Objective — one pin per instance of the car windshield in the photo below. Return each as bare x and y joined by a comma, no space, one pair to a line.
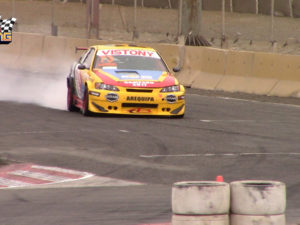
129,60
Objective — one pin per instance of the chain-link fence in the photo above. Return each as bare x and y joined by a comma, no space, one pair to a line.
262,25
116,21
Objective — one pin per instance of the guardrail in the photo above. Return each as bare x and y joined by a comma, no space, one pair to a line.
241,71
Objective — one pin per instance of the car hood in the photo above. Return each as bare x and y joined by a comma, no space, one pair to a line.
136,78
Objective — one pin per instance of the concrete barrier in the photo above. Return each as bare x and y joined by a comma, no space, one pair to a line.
202,67
250,85
71,44
288,66
239,63
104,42
169,53
53,58
286,88
266,65
239,75
31,52
213,61
10,53
192,61
206,81
212,67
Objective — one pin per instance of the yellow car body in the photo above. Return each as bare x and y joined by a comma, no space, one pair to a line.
123,79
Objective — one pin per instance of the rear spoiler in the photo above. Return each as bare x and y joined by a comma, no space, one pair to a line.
80,49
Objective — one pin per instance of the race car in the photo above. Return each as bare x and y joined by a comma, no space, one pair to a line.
124,79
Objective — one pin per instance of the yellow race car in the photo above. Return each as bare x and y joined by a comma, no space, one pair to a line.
124,79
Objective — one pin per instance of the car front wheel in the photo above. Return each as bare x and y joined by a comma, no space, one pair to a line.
85,105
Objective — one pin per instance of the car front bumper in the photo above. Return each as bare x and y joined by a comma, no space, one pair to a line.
137,103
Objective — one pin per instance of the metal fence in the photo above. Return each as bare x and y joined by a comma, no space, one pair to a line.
246,24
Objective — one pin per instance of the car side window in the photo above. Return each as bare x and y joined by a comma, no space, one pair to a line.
83,56
89,58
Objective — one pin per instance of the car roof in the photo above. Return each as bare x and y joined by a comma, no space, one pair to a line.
123,46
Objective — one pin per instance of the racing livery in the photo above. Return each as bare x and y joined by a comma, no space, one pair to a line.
124,79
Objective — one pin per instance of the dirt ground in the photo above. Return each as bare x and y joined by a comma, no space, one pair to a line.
243,31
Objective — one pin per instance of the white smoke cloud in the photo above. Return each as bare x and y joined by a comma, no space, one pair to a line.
34,88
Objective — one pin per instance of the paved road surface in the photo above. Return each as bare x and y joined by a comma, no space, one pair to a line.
219,136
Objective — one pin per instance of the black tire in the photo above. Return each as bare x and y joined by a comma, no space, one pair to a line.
85,104
70,101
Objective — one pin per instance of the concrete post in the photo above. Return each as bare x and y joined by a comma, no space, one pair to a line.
191,12
291,8
272,20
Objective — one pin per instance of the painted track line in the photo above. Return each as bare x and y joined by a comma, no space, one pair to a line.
58,169
41,176
22,175
29,176
246,100
226,154
4,182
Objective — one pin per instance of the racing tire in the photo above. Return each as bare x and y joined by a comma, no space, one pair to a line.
258,197
85,104
200,198
200,220
70,102
257,220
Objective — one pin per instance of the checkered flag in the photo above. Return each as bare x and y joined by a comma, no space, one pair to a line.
7,24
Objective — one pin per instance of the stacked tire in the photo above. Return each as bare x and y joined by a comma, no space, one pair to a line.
200,203
256,202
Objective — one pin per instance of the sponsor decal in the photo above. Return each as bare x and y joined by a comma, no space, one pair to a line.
139,110
139,83
140,99
6,30
135,76
112,97
130,52
171,98
145,77
130,76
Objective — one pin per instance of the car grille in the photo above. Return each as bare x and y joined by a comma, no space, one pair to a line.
139,90
137,105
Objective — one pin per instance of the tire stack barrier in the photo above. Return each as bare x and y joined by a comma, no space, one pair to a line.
200,203
258,202
250,202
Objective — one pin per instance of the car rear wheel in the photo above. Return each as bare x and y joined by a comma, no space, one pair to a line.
85,105
70,100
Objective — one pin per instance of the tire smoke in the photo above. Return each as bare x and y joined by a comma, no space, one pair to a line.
34,88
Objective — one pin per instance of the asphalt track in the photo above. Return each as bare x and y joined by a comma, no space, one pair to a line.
239,139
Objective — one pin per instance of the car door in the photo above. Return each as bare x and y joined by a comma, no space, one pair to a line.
82,75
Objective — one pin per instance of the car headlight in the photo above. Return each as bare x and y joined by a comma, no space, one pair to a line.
107,87
171,89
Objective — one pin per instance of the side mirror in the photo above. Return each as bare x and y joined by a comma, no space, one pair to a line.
81,67
176,69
